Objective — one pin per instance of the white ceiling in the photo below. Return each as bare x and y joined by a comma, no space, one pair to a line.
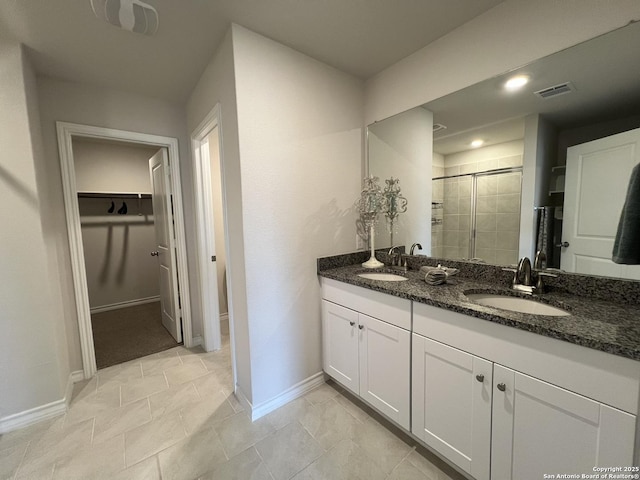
361,37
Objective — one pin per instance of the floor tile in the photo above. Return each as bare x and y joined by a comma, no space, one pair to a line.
380,444
55,445
237,433
96,461
288,451
206,412
329,423
148,469
345,461
406,471
247,465
119,374
152,437
291,412
191,457
27,434
86,407
10,459
208,385
355,408
172,399
156,365
432,466
187,371
321,394
145,387
115,422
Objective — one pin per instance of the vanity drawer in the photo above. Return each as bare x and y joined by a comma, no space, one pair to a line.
390,309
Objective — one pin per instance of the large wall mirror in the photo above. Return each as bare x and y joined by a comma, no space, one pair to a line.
492,174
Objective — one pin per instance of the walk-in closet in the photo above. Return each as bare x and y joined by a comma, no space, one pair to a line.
119,240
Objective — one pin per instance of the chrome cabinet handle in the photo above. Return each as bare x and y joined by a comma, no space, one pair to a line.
360,327
502,387
352,323
155,254
480,378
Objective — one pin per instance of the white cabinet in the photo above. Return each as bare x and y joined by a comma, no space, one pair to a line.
451,404
539,428
369,357
498,423
367,345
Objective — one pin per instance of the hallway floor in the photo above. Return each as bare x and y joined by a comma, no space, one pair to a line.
172,415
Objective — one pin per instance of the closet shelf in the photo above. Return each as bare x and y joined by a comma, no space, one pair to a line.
114,195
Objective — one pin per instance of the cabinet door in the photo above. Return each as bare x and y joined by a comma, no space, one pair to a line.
384,368
539,428
451,404
340,344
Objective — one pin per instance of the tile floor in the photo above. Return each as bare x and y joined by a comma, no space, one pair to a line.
172,415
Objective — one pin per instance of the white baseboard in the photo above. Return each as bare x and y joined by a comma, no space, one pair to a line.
43,412
128,303
278,401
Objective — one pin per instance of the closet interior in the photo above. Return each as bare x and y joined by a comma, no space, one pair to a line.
119,242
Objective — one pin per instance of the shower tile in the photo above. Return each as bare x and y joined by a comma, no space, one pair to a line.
508,203
464,187
512,161
507,240
487,165
451,222
487,185
464,206
448,171
486,239
506,257
468,168
508,222
509,183
450,252
450,207
464,223
486,204
486,222
486,254
450,238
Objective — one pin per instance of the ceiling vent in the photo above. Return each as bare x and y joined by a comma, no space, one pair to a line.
556,90
437,127
133,15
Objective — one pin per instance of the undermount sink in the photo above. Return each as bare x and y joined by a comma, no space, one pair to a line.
385,277
516,304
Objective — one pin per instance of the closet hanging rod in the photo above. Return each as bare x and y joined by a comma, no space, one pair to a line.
113,195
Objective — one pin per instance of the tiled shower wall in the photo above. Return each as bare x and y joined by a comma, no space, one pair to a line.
497,211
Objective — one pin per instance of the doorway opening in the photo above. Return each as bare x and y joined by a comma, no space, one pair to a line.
160,198
130,316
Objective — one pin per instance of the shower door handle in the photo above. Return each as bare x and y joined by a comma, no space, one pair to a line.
155,254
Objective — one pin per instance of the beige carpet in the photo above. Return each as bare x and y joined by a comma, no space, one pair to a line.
127,333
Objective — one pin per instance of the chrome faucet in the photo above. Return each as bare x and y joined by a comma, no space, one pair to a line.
414,246
396,259
523,275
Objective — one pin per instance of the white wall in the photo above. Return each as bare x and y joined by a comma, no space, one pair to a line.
217,86
509,35
401,147
90,105
33,365
300,130
116,247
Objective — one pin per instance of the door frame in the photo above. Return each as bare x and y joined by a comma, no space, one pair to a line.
65,133
212,338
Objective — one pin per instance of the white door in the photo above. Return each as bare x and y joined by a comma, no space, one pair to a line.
595,188
451,404
384,368
340,344
539,429
165,242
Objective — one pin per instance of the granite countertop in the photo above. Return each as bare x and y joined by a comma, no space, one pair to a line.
606,326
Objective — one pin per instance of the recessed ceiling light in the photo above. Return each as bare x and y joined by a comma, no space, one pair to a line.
516,83
478,142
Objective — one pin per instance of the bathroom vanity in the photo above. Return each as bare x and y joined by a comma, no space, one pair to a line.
499,394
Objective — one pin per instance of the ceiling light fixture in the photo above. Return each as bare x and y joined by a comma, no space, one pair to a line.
516,83
132,15
478,142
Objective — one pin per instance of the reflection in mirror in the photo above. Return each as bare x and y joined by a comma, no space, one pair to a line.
576,96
